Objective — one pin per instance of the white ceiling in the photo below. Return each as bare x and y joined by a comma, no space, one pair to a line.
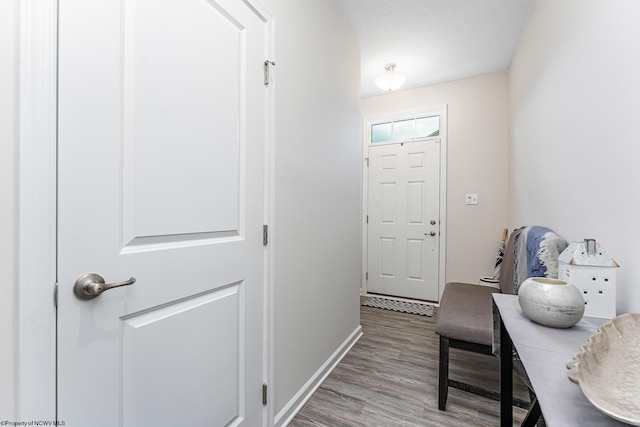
434,41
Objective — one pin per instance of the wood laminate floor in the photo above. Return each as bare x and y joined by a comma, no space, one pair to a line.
390,378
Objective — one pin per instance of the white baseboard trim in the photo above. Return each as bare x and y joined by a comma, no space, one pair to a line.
290,410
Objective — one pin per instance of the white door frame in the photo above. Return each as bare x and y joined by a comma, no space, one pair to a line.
37,199
440,110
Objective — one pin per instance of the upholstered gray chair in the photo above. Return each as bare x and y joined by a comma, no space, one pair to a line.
465,321
465,316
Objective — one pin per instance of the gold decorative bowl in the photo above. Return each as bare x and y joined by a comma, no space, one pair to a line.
607,369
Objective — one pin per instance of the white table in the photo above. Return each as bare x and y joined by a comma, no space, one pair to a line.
544,352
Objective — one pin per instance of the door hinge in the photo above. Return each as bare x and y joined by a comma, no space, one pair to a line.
366,276
264,394
367,219
55,295
267,65
367,159
265,235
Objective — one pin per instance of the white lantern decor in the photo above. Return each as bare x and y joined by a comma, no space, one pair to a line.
590,269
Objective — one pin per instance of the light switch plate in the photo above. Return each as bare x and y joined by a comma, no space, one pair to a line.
472,199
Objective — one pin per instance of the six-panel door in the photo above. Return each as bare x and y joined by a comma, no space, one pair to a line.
404,220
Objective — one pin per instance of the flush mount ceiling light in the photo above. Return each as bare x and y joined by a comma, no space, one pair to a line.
390,80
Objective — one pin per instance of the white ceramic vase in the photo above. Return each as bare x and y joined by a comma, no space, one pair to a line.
551,302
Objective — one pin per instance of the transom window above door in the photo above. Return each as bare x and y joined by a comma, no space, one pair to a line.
406,129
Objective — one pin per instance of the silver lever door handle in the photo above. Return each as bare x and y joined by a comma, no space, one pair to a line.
431,233
91,285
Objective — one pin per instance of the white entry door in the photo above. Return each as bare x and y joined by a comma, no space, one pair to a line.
404,219
161,178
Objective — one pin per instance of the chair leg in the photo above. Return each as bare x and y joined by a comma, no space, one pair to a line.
443,374
533,415
534,403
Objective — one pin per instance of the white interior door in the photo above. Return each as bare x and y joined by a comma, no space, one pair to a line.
404,219
161,167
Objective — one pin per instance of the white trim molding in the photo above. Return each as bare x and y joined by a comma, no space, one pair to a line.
268,332
36,378
296,403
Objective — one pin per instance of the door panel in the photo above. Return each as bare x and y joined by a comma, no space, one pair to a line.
161,170
404,198
415,251
387,257
181,137
159,342
389,202
415,203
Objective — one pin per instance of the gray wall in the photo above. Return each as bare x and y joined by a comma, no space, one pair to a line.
574,147
317,189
